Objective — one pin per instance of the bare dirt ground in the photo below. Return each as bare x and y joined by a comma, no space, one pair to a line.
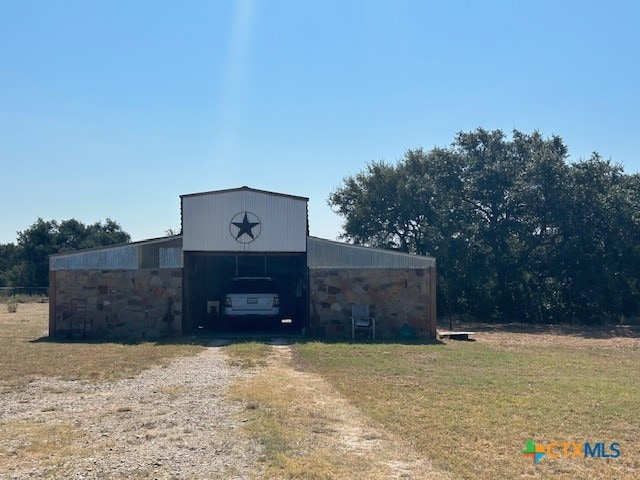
169,422
566,335
179,421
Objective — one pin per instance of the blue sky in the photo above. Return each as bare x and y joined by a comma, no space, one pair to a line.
114,108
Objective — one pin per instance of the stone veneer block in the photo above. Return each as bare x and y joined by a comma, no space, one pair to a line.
133,304
394,296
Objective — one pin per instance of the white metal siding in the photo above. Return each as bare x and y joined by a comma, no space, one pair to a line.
206,220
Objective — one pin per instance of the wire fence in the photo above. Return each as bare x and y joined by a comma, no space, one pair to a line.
6,292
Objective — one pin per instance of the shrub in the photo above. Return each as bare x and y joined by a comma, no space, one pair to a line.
26,298
12,305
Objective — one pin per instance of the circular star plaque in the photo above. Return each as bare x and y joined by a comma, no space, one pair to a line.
245,227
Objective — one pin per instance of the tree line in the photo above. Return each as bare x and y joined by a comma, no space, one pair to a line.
519,233
26,263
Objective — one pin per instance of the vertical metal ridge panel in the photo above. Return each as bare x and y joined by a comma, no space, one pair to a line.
171,257
157,253
125,257
328,254
207,222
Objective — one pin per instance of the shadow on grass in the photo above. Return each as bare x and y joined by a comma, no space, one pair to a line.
275,341
212,339
292,336
604,331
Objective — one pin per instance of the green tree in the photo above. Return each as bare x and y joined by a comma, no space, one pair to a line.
518,232
29,266
598,258
513,190
35,244
8,258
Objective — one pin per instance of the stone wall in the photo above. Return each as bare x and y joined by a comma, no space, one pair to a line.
131,304
394,296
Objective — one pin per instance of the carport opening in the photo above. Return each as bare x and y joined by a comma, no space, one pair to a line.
208,278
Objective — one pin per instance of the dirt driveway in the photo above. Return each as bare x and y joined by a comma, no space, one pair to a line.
169,422
176,422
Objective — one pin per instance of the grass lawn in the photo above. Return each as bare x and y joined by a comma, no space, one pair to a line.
466,407
25,353
470,406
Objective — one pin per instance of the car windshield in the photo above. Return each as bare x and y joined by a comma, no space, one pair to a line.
251,285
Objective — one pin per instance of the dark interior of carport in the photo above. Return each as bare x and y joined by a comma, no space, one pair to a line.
207,275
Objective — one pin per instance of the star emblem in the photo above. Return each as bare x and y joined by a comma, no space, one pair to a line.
245,227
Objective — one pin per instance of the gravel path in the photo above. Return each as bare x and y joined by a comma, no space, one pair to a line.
169,422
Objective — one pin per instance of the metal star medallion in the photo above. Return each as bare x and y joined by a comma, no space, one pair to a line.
247,230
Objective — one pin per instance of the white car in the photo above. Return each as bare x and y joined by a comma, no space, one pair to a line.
250,297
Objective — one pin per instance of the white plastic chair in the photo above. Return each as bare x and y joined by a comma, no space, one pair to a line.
360,320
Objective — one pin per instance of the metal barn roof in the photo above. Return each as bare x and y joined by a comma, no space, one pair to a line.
243,189
281,222
323,253
156,253
167,253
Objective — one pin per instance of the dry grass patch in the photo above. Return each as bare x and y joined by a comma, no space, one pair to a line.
470,406
308,431
44,444
25,355
248,354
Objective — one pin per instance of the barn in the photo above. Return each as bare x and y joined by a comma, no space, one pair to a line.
177,285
